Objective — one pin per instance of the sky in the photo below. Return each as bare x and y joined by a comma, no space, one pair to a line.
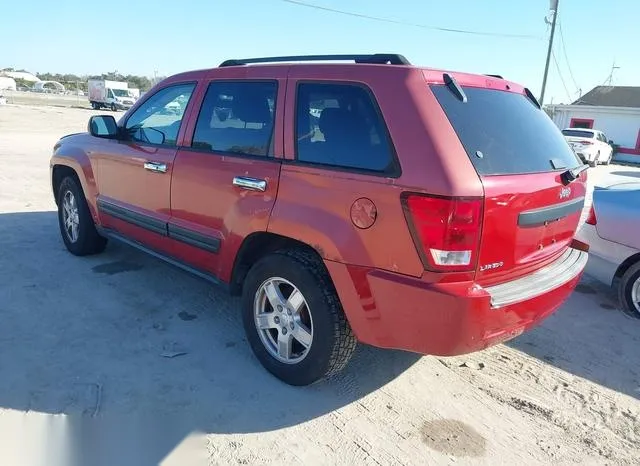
144,36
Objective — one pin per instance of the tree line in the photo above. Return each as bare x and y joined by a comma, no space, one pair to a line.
73,81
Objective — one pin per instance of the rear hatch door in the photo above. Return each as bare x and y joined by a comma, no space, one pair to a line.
530,215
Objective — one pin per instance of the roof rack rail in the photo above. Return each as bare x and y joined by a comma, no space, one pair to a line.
376,58
495,76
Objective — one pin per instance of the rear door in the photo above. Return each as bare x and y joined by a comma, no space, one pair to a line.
225,178
530,216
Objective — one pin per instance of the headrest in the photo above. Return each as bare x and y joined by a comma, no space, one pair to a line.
333,119
251,108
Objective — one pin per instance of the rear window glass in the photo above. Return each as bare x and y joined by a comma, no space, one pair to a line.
504,133
339,125
577,133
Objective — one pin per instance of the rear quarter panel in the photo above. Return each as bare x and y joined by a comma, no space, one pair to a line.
618,215
314,202
605,257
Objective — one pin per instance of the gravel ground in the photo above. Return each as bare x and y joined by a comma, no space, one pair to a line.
121,359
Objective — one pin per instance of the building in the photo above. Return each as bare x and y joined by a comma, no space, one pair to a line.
44,86
614,110
23,75
8,84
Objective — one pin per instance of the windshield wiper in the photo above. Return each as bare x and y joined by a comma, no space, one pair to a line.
573,174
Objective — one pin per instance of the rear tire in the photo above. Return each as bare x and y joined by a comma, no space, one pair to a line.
629,291
76,224
330,340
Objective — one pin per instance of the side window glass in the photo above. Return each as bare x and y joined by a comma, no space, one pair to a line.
157,121
340,125
237,117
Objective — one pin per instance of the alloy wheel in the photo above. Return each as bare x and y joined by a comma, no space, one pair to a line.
70,216
635,294
283,320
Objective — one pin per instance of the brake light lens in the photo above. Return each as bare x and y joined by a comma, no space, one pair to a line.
446,230
591,218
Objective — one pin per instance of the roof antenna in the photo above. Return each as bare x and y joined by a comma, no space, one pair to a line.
609,80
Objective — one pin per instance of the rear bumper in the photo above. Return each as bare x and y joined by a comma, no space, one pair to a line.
394,311
587,154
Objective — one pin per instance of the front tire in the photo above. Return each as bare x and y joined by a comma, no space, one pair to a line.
114,108
76,224
629,291
293,318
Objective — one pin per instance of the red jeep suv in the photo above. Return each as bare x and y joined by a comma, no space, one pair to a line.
360,199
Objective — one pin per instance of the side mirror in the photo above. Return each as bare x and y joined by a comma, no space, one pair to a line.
611,142
152,135
103,126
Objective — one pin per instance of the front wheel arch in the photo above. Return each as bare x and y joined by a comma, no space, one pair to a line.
59,173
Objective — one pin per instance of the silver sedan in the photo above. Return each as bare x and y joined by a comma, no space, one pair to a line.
612,230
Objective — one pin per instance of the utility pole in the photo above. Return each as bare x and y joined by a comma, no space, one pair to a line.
554,10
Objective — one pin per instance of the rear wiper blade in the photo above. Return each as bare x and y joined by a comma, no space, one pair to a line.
573,174
454,87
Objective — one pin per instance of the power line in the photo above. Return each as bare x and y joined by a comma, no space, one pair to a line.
566,57
560,75
404,23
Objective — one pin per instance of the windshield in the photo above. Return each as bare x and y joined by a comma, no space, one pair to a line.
578,134
505,133
121,92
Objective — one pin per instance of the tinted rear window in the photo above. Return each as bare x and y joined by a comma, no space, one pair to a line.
504,133
577,133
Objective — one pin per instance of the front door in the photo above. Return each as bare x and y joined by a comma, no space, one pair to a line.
225,180
134,173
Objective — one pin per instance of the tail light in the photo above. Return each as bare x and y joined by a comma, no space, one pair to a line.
446,230
591,218
586,143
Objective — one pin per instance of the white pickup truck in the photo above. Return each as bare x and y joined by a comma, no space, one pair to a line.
110,94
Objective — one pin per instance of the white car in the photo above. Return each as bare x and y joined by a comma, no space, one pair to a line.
590,145
612,231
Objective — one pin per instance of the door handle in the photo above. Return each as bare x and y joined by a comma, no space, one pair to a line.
252,184
155,167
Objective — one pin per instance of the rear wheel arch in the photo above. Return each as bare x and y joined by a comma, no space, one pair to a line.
256,246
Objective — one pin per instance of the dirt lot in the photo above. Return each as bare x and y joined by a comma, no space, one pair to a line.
85,371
